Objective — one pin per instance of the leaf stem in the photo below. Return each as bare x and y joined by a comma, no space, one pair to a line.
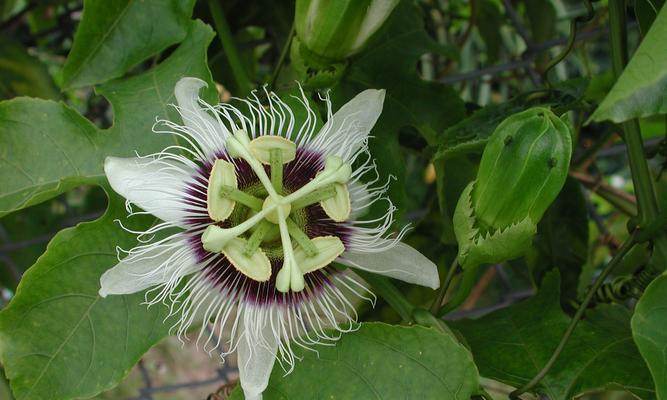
442,292
641,177
622,251
385,289
226,39
467,283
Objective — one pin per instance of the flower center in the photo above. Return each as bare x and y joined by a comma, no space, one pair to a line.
272,205
242,239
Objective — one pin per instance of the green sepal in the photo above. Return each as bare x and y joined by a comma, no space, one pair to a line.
502,244
313,71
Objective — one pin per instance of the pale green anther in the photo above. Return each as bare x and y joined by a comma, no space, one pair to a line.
276,158
222,174
338,207
256,238
239,196
257,266
262,146
328,249
301,238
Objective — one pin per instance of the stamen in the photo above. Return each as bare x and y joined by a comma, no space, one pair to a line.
262,147
239,146
335,171
257,266
315,196
239,196
222,174
328,249
301,238
276,157
257,237
338,207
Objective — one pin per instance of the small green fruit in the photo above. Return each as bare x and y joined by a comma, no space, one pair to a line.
523,168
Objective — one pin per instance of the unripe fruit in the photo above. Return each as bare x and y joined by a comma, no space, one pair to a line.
523,168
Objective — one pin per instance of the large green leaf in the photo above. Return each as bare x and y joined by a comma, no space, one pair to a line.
641,90
513,344
379,361
648,329
22,74
410,101
115,35
58,338
47,148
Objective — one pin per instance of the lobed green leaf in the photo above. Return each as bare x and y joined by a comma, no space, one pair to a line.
513,344
379,361
641,90
116,35
58,338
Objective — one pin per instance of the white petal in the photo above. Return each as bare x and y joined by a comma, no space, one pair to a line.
400,261
152,267
207,131
157,186
256,352
345,133
360,198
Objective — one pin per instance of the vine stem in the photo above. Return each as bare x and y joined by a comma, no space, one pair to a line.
645,192
572,38
225,35
625,248
282,57
442,292
647,204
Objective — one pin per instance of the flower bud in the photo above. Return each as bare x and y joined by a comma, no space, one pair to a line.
338,29
523,168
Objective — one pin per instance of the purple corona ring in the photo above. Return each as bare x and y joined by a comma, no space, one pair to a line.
255,209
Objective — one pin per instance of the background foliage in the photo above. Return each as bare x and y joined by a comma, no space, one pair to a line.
80,81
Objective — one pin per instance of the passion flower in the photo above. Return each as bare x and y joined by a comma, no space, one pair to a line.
262,207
